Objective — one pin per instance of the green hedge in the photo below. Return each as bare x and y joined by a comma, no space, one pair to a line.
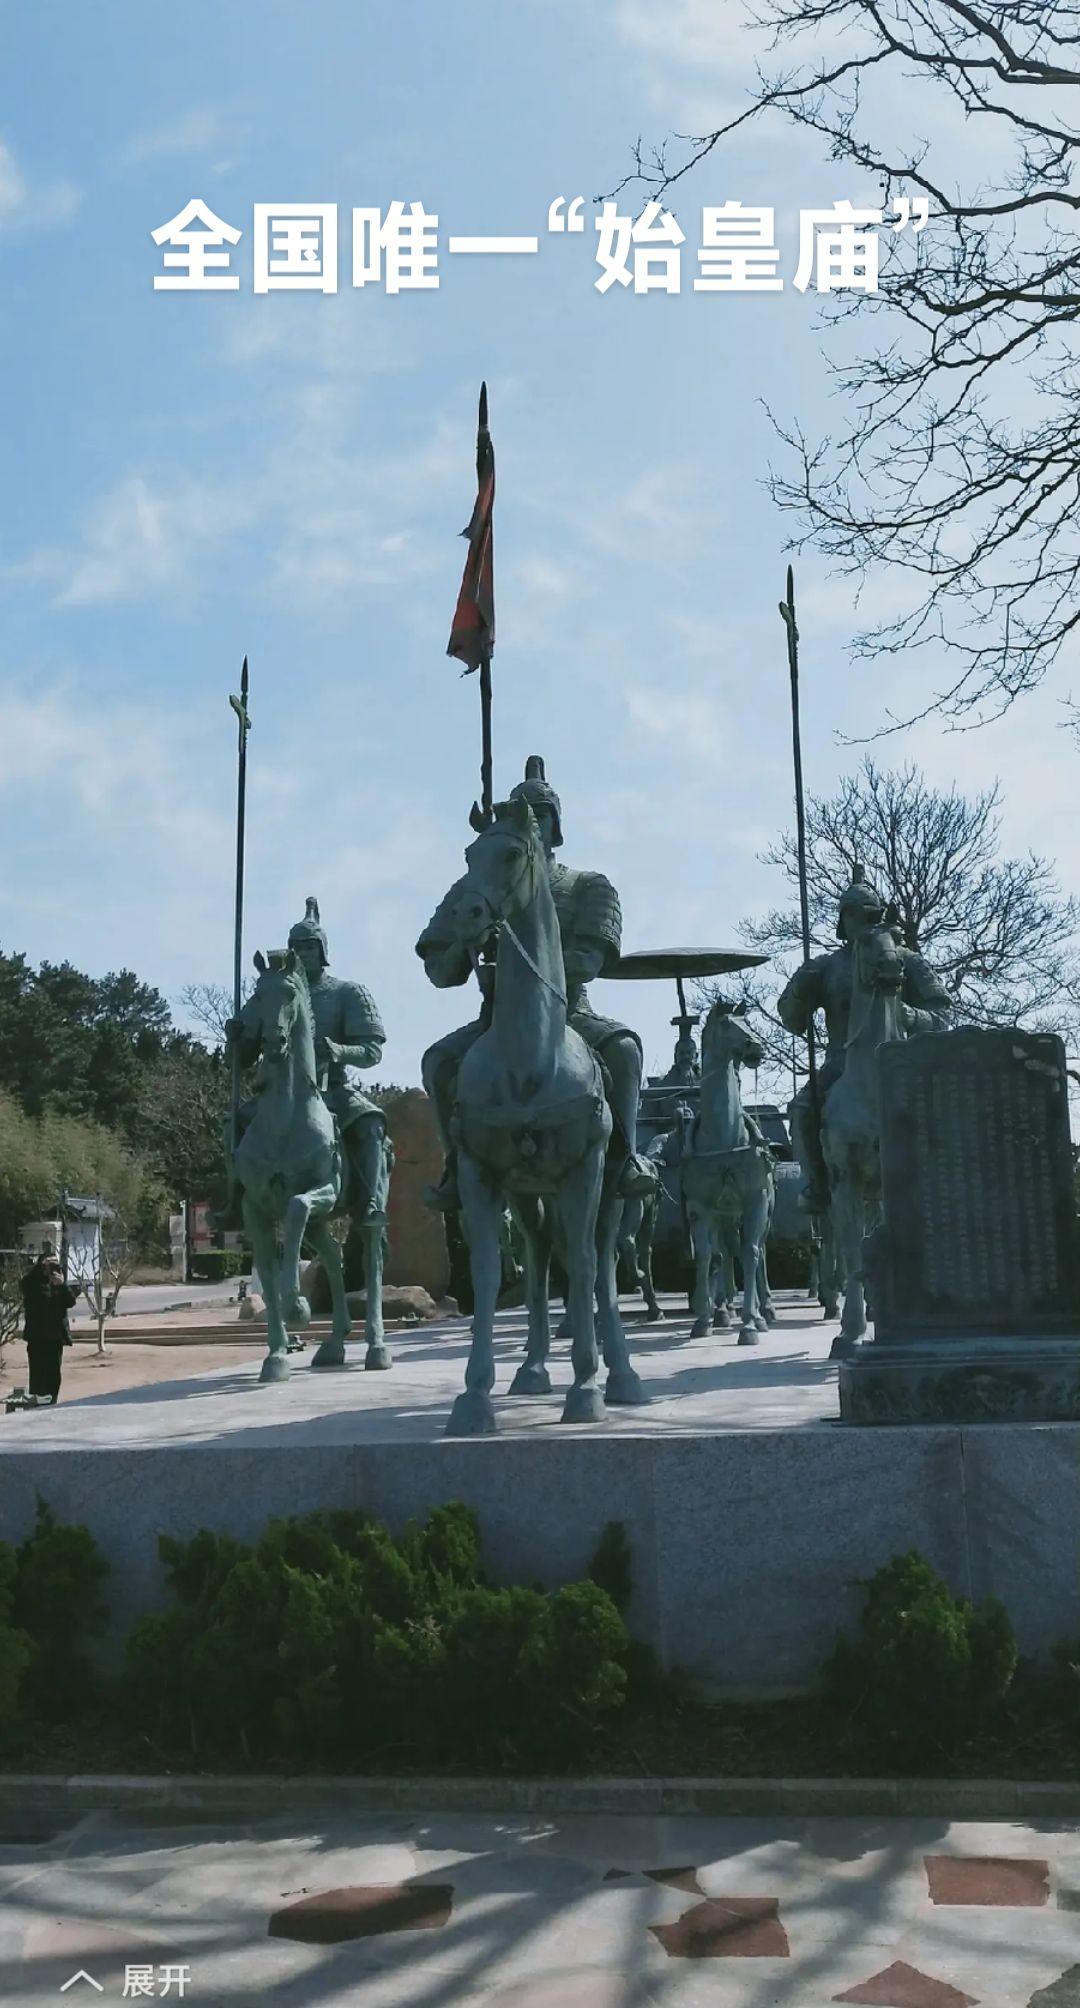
329,1639
925,1669
217,1265
51,1604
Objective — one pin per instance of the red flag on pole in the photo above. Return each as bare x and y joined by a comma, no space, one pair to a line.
472,636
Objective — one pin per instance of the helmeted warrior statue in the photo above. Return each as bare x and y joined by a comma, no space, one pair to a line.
824,984
590,924
348,1033
685,1069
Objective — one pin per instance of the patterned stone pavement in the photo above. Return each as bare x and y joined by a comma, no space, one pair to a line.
471,1911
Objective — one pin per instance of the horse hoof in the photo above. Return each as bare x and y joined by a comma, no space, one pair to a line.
700,1328
761,1322
297,1311
624,1390
472,1415
377,1359
769,1316
331,1353
656,1315
275,1367
583,1404
842,1348
531,1380
749,1336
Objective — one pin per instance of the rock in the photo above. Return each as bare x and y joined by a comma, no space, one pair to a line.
251,1308
403,1304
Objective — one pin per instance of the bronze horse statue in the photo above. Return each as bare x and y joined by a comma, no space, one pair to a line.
533,1129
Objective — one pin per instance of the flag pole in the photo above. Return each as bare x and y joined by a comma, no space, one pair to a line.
486,795
472,631
787,615
486,799
240,706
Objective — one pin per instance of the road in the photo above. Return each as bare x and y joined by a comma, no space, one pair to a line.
144,1299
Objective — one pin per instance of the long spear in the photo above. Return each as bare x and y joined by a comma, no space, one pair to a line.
787,615
240,706
472,634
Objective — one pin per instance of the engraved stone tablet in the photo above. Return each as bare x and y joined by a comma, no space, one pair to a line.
973,1272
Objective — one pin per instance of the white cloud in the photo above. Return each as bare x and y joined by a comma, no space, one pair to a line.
137,538
201,129
700,34
680,719
29,205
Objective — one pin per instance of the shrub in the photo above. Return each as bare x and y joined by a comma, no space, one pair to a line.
216,1265
329,1638
56,1599
50,1602
16,1648
925,1669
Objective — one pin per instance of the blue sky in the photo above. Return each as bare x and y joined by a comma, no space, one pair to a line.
187,478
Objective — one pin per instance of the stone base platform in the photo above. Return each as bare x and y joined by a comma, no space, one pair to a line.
963,1380
751,1512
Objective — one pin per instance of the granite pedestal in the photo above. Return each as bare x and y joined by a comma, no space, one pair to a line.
752,1514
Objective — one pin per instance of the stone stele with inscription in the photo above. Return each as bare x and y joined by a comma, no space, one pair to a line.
973,1270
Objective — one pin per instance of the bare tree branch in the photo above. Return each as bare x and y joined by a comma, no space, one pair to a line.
998,931
959,457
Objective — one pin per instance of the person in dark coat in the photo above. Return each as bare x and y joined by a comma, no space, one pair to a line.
47,1299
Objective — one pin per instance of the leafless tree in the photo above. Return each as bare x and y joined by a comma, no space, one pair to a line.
958,458
11,1304
101,1269
998,931
209,1006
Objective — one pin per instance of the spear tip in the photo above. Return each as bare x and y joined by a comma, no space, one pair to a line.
790,586
483,407
244,678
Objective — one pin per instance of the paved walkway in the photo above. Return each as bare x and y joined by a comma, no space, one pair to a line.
455,1911
694,1385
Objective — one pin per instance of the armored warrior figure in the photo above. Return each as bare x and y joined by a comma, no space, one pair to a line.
824,984
590,923
348,1033
685,1069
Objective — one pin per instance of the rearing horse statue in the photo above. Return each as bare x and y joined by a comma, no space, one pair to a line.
532,1127
851,1114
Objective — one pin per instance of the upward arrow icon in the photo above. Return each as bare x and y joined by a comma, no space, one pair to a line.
82,1974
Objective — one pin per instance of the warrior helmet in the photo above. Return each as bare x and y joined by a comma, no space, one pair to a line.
537,790
860,898
310,929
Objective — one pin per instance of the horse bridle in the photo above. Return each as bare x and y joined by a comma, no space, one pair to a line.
500,924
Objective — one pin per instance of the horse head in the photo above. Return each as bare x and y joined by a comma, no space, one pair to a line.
503,864
879,962
280,998
727,1036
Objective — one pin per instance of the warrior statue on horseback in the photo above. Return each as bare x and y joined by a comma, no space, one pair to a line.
590,928
873,990
309,1138
536,1101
